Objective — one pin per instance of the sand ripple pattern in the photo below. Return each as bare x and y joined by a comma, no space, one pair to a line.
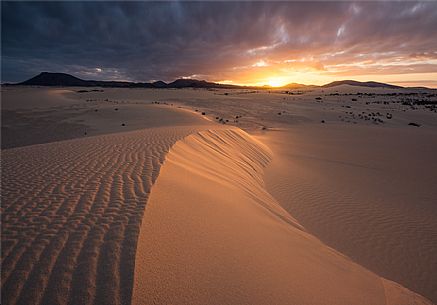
404,242
71,213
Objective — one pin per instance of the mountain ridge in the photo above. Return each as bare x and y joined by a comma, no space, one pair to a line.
68,80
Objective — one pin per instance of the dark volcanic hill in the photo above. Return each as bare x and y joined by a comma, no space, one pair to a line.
159,84
361,84
54,79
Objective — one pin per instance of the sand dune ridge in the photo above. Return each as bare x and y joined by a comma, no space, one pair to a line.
212,234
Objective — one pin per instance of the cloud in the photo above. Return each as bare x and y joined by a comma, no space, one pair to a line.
144,41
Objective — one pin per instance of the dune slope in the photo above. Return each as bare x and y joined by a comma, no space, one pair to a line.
363,191
71,213
212,234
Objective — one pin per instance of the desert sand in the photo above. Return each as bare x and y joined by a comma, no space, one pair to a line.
121,195
71,210
363,192
238,246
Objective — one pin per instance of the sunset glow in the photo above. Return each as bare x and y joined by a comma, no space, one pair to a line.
277,82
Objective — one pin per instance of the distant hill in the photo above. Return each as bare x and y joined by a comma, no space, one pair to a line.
194,83
54,79
67,80
159,84
361,84
297,86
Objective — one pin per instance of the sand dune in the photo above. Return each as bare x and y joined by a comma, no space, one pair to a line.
364,194
63,114
212,234
71,212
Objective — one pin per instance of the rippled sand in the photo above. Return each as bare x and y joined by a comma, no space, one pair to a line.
71,212
368,195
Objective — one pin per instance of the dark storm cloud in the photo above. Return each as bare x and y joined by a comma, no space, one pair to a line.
144,41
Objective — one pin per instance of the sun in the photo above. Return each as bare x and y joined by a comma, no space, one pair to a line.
276,82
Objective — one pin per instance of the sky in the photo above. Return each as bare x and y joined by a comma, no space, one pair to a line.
249,43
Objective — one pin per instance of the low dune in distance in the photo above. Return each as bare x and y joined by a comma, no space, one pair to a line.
38,115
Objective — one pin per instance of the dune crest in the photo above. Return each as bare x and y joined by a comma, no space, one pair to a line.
212,234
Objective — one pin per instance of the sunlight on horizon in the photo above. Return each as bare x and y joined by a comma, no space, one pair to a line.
266,76
273,79
277,81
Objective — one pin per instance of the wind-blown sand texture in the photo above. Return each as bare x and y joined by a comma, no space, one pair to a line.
71,212
212,234
369,195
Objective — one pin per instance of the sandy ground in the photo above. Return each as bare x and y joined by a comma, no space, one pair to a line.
238,246
363,192
361,181
71,210
76,116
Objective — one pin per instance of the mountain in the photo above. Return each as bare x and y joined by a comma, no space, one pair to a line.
361,84
54,79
